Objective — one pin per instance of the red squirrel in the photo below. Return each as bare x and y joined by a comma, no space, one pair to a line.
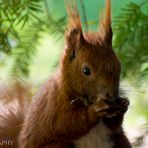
79,106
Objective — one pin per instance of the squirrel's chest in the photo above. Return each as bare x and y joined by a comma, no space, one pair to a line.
98,137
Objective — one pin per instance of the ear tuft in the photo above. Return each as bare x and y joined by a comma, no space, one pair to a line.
105,29
74,35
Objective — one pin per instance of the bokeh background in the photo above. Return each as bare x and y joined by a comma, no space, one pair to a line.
32,40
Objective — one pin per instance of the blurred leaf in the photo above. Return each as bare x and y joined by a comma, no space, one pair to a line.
131,39
26,48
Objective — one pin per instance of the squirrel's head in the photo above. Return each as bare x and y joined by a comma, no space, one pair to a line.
90,66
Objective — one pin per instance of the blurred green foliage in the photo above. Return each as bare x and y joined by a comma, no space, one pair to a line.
131,39
22,23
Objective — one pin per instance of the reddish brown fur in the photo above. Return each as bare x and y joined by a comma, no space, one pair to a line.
12,112
54,118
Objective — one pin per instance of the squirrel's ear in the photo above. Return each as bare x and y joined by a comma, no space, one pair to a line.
105,29
73,34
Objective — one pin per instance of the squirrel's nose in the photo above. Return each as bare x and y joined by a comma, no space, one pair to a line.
107,94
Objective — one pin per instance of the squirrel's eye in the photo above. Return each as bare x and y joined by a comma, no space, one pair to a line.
86,70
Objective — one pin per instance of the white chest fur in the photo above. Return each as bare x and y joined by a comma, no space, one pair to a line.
98,137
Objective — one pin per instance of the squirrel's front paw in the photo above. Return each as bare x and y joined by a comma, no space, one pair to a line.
117,107
123,103
98,110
